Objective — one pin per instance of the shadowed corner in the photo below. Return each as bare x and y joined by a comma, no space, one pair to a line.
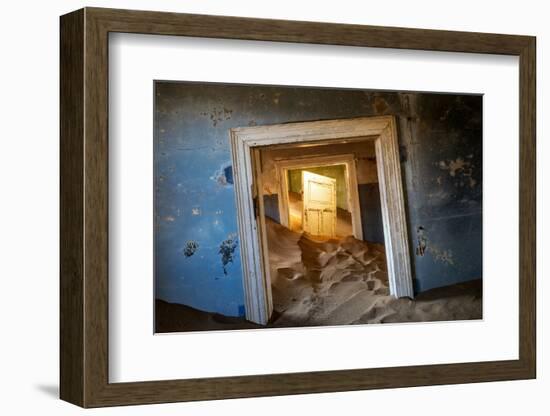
51,390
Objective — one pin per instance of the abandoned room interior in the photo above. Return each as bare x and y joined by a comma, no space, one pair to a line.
293,207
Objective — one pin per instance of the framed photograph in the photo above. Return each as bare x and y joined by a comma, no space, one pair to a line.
256,207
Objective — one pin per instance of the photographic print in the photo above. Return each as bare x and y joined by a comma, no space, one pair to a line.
283,206
357,202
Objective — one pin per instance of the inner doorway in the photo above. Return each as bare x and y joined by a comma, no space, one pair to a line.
318,204
304,199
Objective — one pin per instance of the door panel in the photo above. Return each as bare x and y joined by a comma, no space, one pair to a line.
328,219
319,204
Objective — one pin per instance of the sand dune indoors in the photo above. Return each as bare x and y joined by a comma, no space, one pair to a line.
344,281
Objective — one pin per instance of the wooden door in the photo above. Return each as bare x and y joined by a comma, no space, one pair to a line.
319,212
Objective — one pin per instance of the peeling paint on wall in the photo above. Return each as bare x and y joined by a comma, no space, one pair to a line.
217,115
421,241
444,256
460,170
190,248
227,251
380,105
224,175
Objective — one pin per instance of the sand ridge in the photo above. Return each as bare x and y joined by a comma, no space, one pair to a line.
344,281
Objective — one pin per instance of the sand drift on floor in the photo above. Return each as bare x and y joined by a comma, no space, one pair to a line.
345,281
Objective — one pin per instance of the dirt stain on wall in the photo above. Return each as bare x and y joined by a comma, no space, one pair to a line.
444,256
227,251
217,115
460,170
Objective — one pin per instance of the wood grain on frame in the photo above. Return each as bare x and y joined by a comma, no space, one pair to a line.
84,207
71,212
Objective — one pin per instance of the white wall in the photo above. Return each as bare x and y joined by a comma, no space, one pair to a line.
29,210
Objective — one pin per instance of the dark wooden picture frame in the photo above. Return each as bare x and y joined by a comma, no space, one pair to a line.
84,207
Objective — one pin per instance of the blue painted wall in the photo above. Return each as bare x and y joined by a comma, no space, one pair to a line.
197,259
442,158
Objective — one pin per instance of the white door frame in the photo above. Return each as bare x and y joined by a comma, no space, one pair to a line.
250,208
348,160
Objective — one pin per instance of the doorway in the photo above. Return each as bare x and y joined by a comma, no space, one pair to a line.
318,204
318,197
294,213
